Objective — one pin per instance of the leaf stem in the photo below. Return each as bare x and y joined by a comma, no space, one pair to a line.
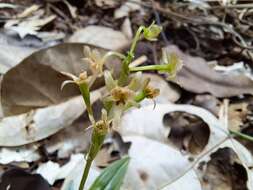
241,135
130,56
85,173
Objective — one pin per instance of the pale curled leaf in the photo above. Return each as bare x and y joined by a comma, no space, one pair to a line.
150,124
41,123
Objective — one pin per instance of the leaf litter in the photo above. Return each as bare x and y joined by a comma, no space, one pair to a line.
184,146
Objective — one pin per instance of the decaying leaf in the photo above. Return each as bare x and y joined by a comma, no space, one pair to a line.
52,171
11,55
100,36
28,153
36,81
237,113
29,26
150,124
41,123
198,77
125,9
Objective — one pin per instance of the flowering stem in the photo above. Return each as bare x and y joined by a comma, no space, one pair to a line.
97,139
85,174
149,68
128,59
136,39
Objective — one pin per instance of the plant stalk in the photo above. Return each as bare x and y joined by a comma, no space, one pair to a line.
128,59
85,174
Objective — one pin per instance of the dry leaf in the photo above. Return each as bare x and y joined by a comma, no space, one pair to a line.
36,81
126,8
51,171
127,29
100,36
150,125
31,26
40,123
28,153
11,55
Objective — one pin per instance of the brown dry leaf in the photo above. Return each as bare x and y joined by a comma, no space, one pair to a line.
237,113
36,81
197,77
100,36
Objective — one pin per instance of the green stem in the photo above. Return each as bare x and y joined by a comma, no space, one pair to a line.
128,59
149,68
85,174
98,135
136,39
241,135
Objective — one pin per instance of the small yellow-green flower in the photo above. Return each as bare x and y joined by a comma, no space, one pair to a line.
172,62
152,32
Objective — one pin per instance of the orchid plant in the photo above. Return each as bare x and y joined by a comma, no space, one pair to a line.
122,93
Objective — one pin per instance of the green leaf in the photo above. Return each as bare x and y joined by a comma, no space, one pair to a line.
111,178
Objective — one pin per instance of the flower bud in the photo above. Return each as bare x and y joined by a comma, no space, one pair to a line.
151,33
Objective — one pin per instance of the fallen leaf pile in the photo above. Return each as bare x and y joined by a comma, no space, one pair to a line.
181,140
